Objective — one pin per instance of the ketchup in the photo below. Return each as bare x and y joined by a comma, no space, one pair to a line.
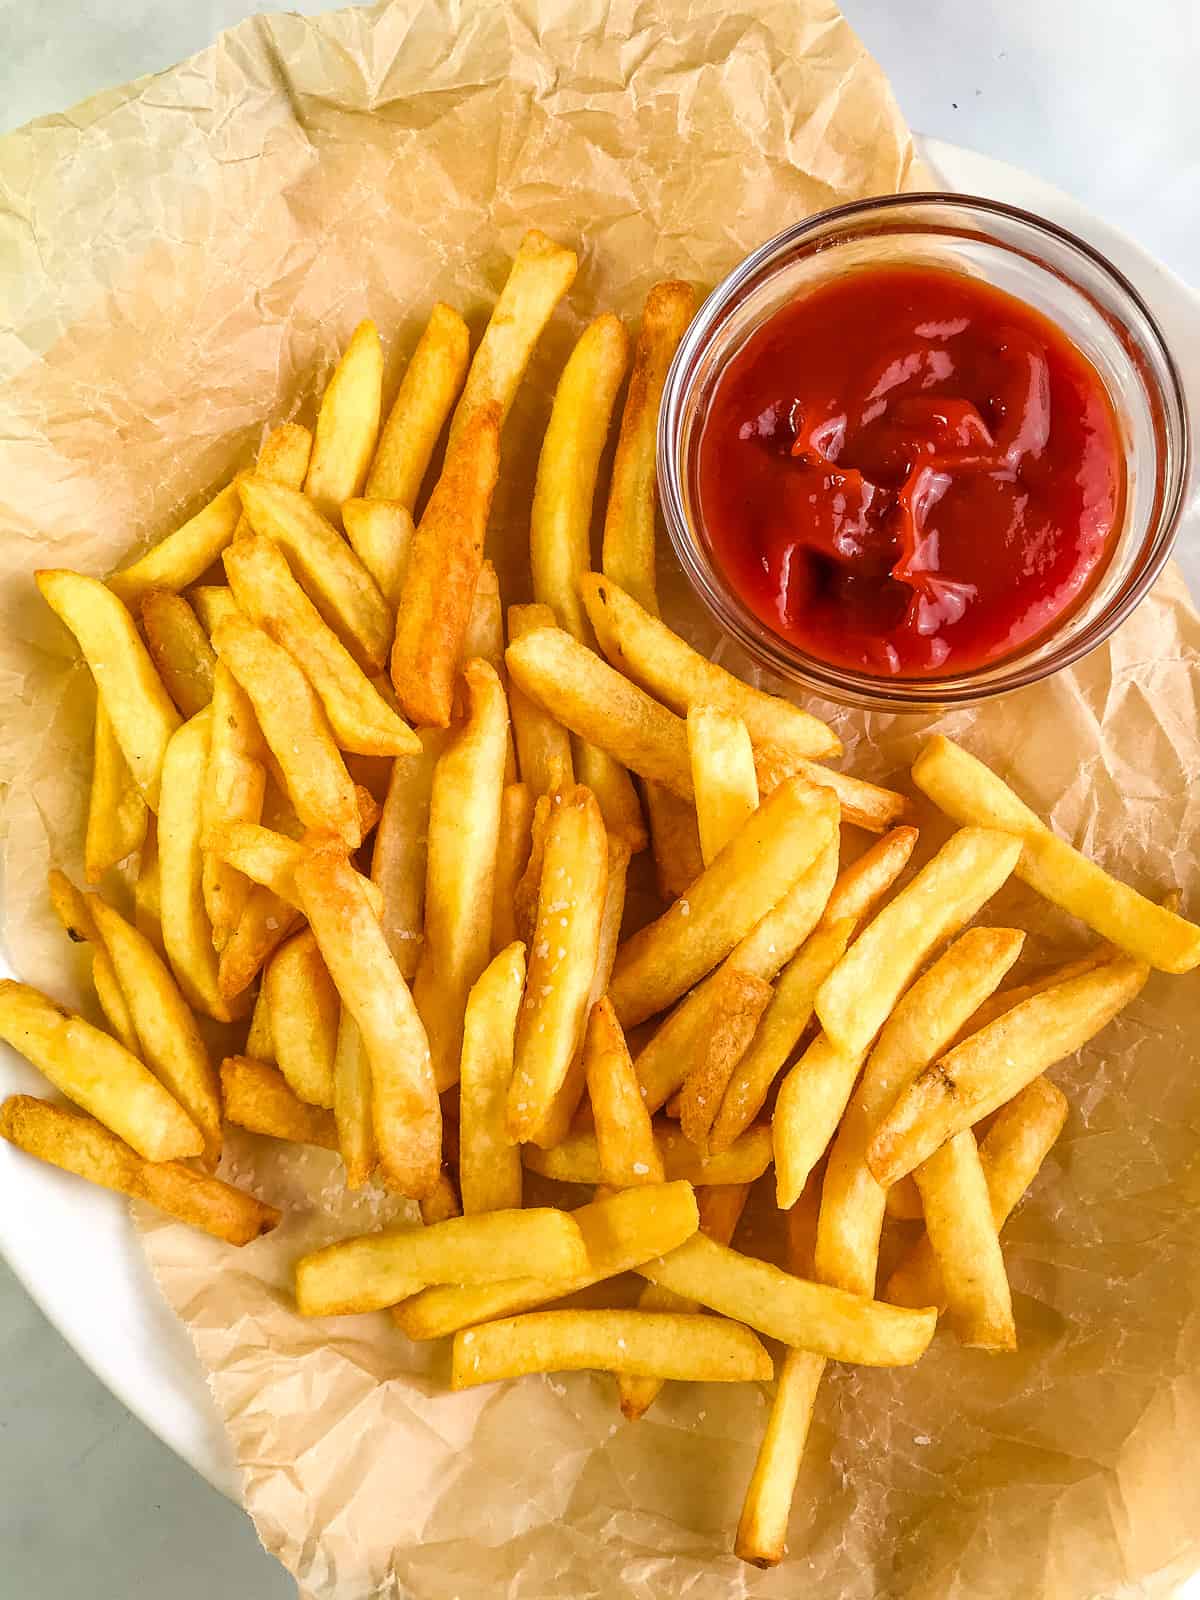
909,472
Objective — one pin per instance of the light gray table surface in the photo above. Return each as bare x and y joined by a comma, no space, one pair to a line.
1098,99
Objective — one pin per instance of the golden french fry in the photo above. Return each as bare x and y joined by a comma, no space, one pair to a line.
991,1066
965,1240
303,1005
576,1158
866,880
271,859
562,961
628,555
722,762
259,1046
541,274
544,757
809,1316
485,625
295,728
753,872
380,533
865,804
212,603
926,1020
399,854
809,1106
619,1232
74,911
80,1145
117,813
234,788
512,857
429,388
380,1269
526,898
347,423
489,1166
265,922
443,567
113,1002
97,1073
142,713
463,834
258,1097
352,1103
624,1138
404,1102
283,457
674,840
738,1001
328,571
641,1344
855,999
615,792
969,791
183,556
265,590
147,895
441,1203
638,643
179,648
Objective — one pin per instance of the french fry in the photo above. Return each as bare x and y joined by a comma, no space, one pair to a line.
283,457
347,423
753,872
117,815
259,1098
619,1232
624,1138
544,757
865,804
809,1316
576,1158
113,1002
723,778
628,553
441,1203
179,648
97,1073
429,388
674,840
562,961
404,1104
925,1022
271,859
379,1269
361,719
259,1045
541,274
489,1166
295,728
485,625
212,603
969,791
183,556
234,788
991,1066
326,568
640,1344
965,1240
526,898
513,846
74,911
142,713
352,1103
303,1005
80,1145
616,794
147,892
400,851
439,584
381,533
809,1106
865,881
1011,1153
265,922
464,831
858,994
635,641
739,1000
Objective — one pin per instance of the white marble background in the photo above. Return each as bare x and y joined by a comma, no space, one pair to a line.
1099,98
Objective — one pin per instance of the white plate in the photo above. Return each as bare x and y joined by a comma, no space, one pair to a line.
74,1248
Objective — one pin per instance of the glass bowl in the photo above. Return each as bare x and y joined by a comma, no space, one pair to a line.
1038,262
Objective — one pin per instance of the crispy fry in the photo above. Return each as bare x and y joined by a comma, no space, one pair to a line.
352,1103
142,713
965,1240
113,1002
624,1138
183,556
347,423
97,1073
576,1158
739,1000
526,899
399,854
541,274
489,1166
641,1344
78,1144
855,999
544,757
753,872
439,585
811,1100
147,892
464,831
512,857
405,1109
74,911
865,804
212,603
926,1020
179,648
271,859
381,534
615,792
303,1004
485,625
628,556
259,1045
674,840
441,1203
722,763
117,813
619,1232
295,728
380,1269
265,590
867,880
234,787
991,1066
810,1316
258,1097
283,457
265,922
429,388
326,568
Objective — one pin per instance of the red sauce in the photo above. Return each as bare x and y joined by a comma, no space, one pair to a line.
909,472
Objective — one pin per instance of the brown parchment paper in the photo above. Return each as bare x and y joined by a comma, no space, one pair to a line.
182,258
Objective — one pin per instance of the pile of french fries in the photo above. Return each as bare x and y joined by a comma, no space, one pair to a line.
343,803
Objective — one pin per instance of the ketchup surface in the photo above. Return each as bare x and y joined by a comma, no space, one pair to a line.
909,472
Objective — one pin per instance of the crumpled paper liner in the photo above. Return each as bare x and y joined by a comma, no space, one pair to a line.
184,258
